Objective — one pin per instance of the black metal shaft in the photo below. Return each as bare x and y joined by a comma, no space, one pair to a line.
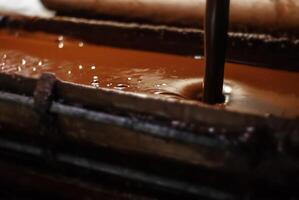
216,27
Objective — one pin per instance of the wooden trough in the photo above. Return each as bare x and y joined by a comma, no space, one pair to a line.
57,135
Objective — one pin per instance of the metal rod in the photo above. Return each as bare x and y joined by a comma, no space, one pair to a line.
216,26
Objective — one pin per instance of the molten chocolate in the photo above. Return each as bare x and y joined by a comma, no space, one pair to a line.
247,89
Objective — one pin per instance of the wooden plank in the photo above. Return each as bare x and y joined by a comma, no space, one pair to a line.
17,84
18,111
249,15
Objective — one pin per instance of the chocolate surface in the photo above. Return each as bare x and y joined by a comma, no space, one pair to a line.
254,49
248,89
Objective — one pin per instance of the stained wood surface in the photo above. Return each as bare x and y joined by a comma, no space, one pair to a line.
251,15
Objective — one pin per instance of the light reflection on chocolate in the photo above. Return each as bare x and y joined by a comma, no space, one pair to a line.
247,88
